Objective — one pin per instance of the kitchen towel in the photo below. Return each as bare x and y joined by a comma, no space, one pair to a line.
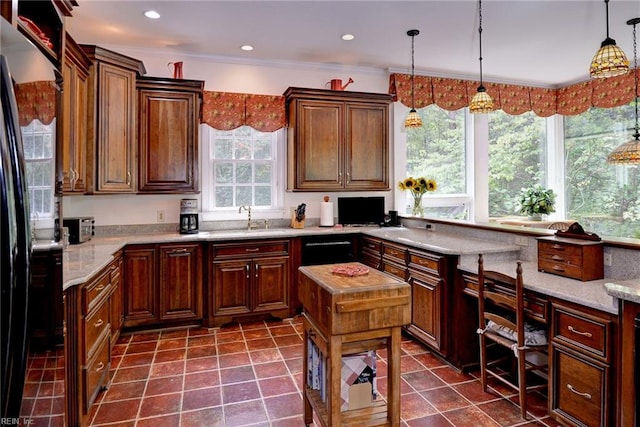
326,214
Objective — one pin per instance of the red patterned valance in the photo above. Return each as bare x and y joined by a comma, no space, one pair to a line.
36,100
453,94
226,111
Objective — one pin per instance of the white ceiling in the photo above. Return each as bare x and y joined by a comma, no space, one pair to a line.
539,42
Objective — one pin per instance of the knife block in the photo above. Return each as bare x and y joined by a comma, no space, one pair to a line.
294,222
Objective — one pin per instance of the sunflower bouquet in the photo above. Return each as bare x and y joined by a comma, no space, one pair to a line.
418,187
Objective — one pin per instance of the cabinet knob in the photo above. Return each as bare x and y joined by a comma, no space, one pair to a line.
98,323
247,267
100,367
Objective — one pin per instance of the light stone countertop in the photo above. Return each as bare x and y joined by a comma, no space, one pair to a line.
628,290
590,294
84,260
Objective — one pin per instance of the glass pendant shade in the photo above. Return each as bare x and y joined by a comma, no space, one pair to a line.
413,120
481,103
629,152
609,61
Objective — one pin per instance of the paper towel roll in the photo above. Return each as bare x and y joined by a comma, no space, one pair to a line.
326,214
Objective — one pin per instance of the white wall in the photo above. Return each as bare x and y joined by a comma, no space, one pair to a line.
225,76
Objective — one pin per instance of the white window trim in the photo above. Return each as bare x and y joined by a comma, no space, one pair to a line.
40,221
257,212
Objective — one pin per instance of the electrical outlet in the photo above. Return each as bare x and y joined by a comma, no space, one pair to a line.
160,216
522,241
608,259
430,227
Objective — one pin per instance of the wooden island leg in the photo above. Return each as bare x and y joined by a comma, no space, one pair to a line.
308,411
393,376
335,379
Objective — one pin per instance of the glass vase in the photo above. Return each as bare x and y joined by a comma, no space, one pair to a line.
417,209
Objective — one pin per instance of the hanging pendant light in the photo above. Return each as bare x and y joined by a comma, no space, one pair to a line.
629,152
609,60
413,119
481,102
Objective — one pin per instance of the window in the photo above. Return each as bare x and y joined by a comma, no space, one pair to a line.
604,198
517,158
438,150
39,142
242,167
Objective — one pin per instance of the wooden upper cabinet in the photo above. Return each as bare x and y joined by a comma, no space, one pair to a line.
111,150
168,119
338,140
75,72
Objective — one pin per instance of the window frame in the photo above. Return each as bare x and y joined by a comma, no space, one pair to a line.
276,210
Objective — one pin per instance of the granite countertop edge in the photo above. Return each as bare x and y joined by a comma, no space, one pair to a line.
593,293
84,260
628,290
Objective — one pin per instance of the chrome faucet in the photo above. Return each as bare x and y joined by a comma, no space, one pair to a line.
248,209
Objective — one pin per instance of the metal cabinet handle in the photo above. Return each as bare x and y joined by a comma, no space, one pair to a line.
340,178
558,268
99,287
558,247
98,323
252,249
257,268
557,258
573,390
128,178
100,367
575,331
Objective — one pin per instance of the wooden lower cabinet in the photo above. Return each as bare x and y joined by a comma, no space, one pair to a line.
582,365
249,279
163,284
89,311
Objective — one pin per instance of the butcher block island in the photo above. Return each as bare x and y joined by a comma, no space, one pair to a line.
349,312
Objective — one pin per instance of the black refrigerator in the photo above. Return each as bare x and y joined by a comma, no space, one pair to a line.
16,251
20,62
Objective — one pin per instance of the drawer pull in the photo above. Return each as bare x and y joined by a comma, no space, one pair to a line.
558,268
573,390
98,323
99,287
558,247
252,249
100,367
247,267
575,331
557,258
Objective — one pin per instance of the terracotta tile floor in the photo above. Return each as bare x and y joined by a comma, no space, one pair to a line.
250,375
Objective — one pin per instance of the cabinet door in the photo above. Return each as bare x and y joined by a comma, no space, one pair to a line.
180,282
45,300
115,129
168,134
320,145
426,308
367,147
140,293
231,284
271,284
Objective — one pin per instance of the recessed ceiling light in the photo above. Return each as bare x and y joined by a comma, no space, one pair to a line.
246,47
347,37
152,14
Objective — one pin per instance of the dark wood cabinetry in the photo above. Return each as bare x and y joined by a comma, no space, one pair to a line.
111,148
428,275
249,279
630,364
338,141
168,118
46,311
581,365
163,284
90,332
75,72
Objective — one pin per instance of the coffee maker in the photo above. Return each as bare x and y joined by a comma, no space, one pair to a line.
188,216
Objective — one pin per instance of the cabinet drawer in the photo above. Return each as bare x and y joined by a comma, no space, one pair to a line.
95,326
560,249
252,249
395,270
372,261
579,389
394,253
561,268
372,246
581,330
96,291
424,262
95,373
